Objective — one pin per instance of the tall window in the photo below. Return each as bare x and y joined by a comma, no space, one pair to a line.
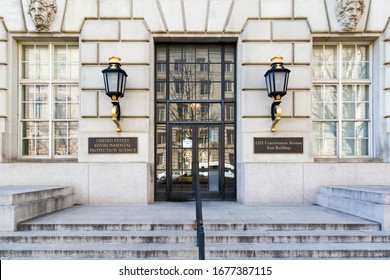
341,100
49,100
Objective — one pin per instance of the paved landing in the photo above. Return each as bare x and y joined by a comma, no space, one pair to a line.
184,213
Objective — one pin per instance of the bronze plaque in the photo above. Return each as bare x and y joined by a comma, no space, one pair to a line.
273,145
117,145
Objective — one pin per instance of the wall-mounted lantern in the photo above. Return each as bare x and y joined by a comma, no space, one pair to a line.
114,83
276,80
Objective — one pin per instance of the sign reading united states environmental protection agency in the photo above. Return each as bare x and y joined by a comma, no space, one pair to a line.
114,145
274,145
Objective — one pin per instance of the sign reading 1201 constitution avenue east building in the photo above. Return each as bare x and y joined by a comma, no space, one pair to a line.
117,145
275,145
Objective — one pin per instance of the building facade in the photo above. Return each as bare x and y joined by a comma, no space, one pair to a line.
195,96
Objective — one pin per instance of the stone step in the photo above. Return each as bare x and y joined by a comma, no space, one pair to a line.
374,194
21,203
188,251
34,226
371,203
14,195
190,237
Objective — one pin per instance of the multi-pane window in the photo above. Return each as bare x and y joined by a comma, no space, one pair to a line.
49,100
341,100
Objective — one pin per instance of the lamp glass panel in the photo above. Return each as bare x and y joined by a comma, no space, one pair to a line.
279,81
112,81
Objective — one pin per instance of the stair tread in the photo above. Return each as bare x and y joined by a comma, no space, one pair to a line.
235,233
188,246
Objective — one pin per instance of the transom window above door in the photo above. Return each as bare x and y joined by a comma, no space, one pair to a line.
195,72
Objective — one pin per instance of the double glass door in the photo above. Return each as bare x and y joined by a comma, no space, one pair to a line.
195,121
191,146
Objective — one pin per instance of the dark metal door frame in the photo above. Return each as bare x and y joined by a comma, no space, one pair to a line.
172,195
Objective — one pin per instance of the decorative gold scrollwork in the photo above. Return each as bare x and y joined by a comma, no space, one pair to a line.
116,113
276,114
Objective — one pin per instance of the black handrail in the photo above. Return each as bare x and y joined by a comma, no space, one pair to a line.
199,213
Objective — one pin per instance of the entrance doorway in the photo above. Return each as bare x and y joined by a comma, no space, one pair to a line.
195,121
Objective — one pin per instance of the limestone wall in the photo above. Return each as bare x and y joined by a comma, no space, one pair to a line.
130,28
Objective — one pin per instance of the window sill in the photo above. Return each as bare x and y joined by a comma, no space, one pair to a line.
348,160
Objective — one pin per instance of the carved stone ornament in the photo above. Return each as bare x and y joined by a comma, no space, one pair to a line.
348,13
42,13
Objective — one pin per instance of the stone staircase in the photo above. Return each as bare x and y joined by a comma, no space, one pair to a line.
368,202
232,231
20,203
178,241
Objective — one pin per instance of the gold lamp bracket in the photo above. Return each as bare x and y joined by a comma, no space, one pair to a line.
276,112
116,112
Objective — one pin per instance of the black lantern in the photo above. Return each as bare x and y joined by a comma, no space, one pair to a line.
115,83
276,80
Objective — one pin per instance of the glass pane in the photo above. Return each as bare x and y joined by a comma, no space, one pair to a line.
73,111
161,53
189,90
61,130
161,112
60,110
215,74
73,129
189,54
355,62
28,147
28,53
176,137
362,147
202,53
324,62
215,54
28,129
349,111
42,147
348,129
161,90
229,90
348,147
42,71
215,112
229,53
60,71
161,159
61,147
229,136
325,102
60,93
161,136
229,112
175,53
215,91
214,137
42,54
73,147
60,53
181,112
203,137
362,129
202,112
28,70
73,54
325,141
74,72
73,94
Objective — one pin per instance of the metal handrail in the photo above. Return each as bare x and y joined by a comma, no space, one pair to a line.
199,213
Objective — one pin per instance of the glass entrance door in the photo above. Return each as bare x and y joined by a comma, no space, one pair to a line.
195,121
193,145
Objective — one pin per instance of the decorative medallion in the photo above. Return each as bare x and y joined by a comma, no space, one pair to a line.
348,13
42,13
